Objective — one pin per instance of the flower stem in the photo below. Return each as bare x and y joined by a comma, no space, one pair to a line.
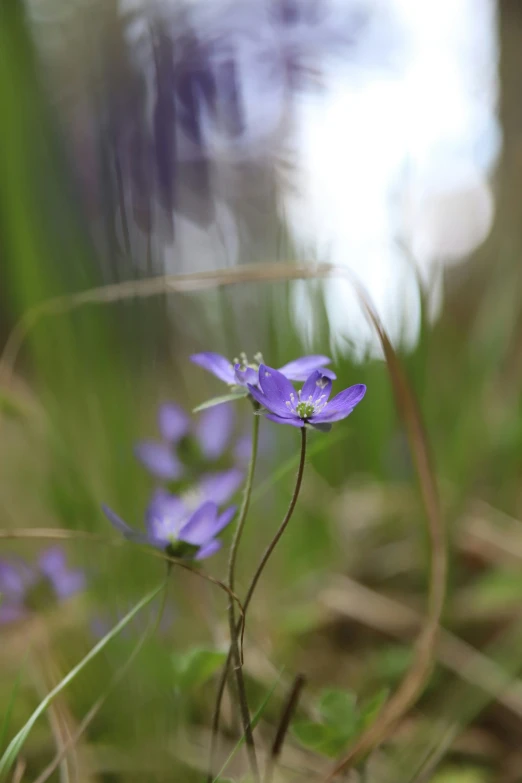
253,584
284,724
282,527
234,632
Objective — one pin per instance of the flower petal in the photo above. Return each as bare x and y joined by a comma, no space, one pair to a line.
201,526
69,582
294,421
214,429
277,389
316,385
258,396
127,531
209,549
159,458
15,577
243,448
246,376
341,405
300,369
225,518
65,581
219,487
12,613
216,364
52,560
173,422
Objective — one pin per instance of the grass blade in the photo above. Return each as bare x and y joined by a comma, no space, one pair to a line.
16,744
7,717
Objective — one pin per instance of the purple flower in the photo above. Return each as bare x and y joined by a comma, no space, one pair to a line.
22,585
309,405
240,372
171,525
160,456
212,431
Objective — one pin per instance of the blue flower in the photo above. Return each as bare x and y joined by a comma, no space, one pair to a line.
309,405
172,526
241,372
160,456
212,432
22,586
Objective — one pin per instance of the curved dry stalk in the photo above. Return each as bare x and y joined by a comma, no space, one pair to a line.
154,286
413,681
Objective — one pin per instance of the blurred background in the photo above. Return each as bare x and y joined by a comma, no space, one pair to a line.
148,137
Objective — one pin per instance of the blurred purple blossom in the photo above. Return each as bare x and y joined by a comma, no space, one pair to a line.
212,432
172,523
213,82
22,584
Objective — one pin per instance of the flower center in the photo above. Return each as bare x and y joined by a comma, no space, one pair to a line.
305,409
246,364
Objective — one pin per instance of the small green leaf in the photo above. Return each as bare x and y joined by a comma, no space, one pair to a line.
12,407
319,737
371,708
310,734
339,708
220,400
197,667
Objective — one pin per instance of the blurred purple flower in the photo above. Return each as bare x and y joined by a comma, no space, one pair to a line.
21,583
171,525
309,405
160,456
193,84
212,431
241,372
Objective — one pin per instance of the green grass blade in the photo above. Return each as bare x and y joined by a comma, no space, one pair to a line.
14,747
7,717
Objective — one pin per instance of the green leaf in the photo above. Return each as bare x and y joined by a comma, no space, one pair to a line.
16,744
197,667
319,737
11,406
339,708
220,400
309,734
371,708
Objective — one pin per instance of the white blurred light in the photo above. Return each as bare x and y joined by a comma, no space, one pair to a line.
398,155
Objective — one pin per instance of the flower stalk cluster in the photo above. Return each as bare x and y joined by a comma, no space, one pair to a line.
188,524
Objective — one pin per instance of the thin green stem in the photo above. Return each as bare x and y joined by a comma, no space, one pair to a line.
253,584
234,645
